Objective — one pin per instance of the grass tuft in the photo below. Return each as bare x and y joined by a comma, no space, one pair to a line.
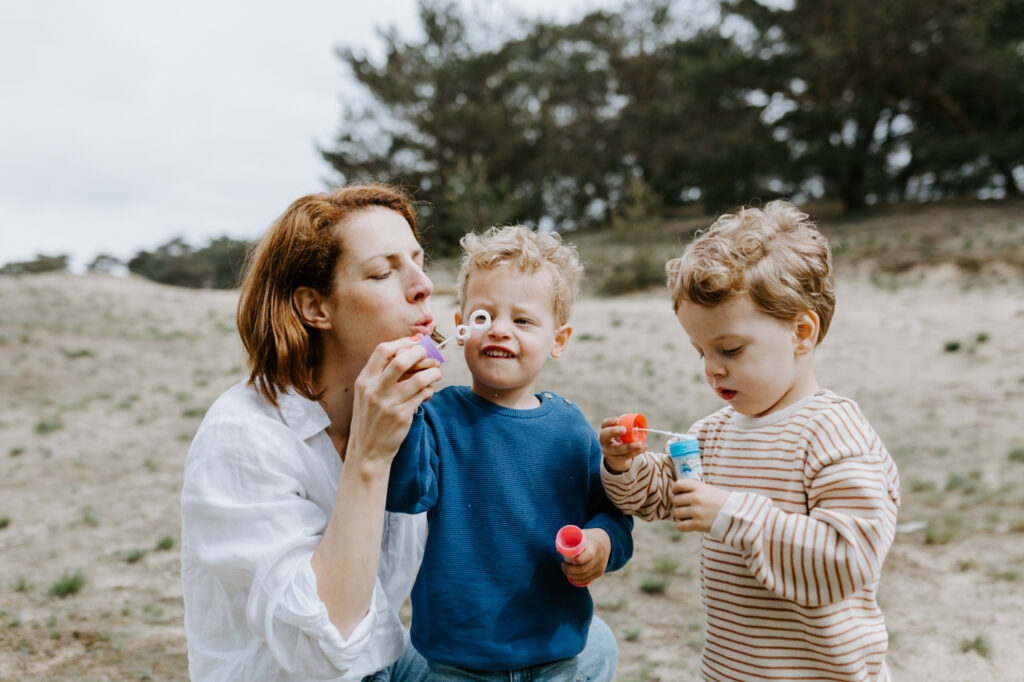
654,584
49,425
980,645
68,584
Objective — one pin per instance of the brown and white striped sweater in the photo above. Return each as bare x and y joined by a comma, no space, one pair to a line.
791,565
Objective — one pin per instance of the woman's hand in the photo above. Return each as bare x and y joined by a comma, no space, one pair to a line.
395,381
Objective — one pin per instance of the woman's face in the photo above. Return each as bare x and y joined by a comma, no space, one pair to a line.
380,290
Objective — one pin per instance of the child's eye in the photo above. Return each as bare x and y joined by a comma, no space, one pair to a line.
522,321
381,275
730,352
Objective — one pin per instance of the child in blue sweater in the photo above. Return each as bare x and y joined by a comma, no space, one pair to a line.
499,469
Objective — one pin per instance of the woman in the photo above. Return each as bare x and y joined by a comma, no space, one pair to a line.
291,568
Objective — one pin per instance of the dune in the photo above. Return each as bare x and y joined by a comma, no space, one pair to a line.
106,379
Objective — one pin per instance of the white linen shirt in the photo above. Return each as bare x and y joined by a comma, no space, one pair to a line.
260,483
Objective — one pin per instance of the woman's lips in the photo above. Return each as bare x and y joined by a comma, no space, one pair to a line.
424,326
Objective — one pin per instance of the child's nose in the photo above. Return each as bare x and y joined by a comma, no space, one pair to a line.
713,369
498,328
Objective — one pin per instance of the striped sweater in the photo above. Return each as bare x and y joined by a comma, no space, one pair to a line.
791,565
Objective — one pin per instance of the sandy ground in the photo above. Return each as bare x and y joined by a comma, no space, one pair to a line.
104,381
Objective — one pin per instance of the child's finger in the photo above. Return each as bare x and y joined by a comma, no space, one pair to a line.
579,574
685,485
611,435
687,526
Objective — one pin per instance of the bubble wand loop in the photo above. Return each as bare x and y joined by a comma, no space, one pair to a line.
479,321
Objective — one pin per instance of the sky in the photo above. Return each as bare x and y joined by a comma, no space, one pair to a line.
124,124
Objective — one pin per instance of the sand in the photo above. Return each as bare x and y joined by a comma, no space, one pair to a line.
104,381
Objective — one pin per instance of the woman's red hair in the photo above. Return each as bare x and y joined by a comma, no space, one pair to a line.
301,249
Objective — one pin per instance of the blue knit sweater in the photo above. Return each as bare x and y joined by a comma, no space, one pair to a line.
497,484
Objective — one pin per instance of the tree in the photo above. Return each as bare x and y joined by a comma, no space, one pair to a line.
460,123
105,263
219,265
967,103
692,124
873,97
41,263
864,102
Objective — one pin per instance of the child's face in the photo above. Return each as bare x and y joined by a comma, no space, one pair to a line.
506,360
757,363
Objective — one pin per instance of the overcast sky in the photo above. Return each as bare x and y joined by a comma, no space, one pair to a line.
126,123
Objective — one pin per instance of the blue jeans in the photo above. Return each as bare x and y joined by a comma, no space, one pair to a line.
596,663
556,671
410,667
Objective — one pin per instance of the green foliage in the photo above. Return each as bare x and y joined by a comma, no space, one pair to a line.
68,584
521,132
654,584
550,124
980,645
893,100
104,262
36,266
132,556
639,215
637,221
218,265
666,565
49,425
637,272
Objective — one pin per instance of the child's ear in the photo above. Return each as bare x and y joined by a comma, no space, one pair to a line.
311,307
805,332
562,335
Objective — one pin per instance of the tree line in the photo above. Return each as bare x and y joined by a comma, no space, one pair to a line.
846,100
619,116
218,265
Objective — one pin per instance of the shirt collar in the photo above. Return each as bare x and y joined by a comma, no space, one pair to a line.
303,416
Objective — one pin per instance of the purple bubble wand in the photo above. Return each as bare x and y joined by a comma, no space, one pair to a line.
479,321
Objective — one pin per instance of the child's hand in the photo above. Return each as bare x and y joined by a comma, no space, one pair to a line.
617,455
695,504
589,565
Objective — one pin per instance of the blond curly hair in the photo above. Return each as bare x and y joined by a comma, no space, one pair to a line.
530,252
776,256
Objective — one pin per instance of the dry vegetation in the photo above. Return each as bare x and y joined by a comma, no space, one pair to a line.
105,380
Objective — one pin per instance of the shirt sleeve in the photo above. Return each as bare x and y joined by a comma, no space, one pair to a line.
412,485
249,522
645,489
838,547
604,514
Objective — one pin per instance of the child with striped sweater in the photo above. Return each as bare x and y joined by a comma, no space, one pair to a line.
799,498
